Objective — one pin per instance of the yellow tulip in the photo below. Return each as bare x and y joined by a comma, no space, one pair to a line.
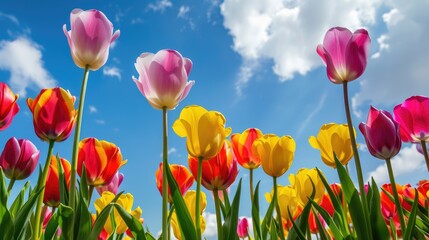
302,183
204,130
190,200
332,138
287,199
276,153
126,201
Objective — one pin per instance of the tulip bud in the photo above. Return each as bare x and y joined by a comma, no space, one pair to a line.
8,106
19,158
243,228
181,174
52,187
113,185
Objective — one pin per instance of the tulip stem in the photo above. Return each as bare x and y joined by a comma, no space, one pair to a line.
357,160
41,186
276,202
218,216
12,181
425,153
197,202
72,194
395,194
251,184
165,231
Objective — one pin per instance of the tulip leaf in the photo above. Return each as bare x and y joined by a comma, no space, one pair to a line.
52,227
84,185
273,230
6,223
183,217
320,228
19,200
3,190
325,215
255,214
296,232
380,230
133,223
266,222
102,218
412,218
64,198
83,219
231,219
226,201
23,215
65,214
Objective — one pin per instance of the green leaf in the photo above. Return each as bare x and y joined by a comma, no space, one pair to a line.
52,227
273,230
183,217
133,223
231,220
149,236
23,214
65,214
83,219
329,221
19,200
226,201
6,220
412,218
102,218
296,231
84,185
64,193
266,222
255,214
320,227
379,229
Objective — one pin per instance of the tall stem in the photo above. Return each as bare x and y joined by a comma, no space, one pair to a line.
41,185
425,153
218,216
395,194
12,181
356,157
164,175
197,202
251,184
276,202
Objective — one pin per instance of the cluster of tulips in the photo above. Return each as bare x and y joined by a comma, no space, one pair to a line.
57,206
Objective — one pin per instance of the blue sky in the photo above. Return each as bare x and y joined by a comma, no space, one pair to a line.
254,61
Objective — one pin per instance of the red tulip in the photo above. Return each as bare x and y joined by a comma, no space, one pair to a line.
181,174
413,118
53,114
8,106
381,134
325,204
243,228
19,158
344,53
218,172
52,187
102,160
242,146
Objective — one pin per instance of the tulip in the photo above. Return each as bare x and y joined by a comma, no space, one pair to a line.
344,53
303,183
114,184
102,160
19,158
52,187
242,146
288,200
90,38
413,118
8,106
388,208
53,114
243,228
275,153
163,78
327,205
218,172
181,174
331,138
190,202
125,201
204,130
381,134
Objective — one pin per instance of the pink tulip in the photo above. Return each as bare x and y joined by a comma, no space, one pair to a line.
381,134
19,158
90,38
344,53
114,184
243,228
8,106
413,118
163,78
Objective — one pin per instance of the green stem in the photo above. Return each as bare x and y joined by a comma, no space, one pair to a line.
218,216
76,141
90,191
164,175
41,185
276,202
357,160
251,185
169,222
395,194
197,202
12,181
425,153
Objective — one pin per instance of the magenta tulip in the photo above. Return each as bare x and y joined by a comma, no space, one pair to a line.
381,134
413,118
163,78
113,186
8,106
243,228
344,53
19,158
90,38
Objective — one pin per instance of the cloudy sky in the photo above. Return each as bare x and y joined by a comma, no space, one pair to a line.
254,61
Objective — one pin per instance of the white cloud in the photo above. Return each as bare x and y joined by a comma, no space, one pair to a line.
23,59
100,121
211,225
11,18
401,70
170,151
160,5
92,109
287,32
183,11
112,72
408,161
